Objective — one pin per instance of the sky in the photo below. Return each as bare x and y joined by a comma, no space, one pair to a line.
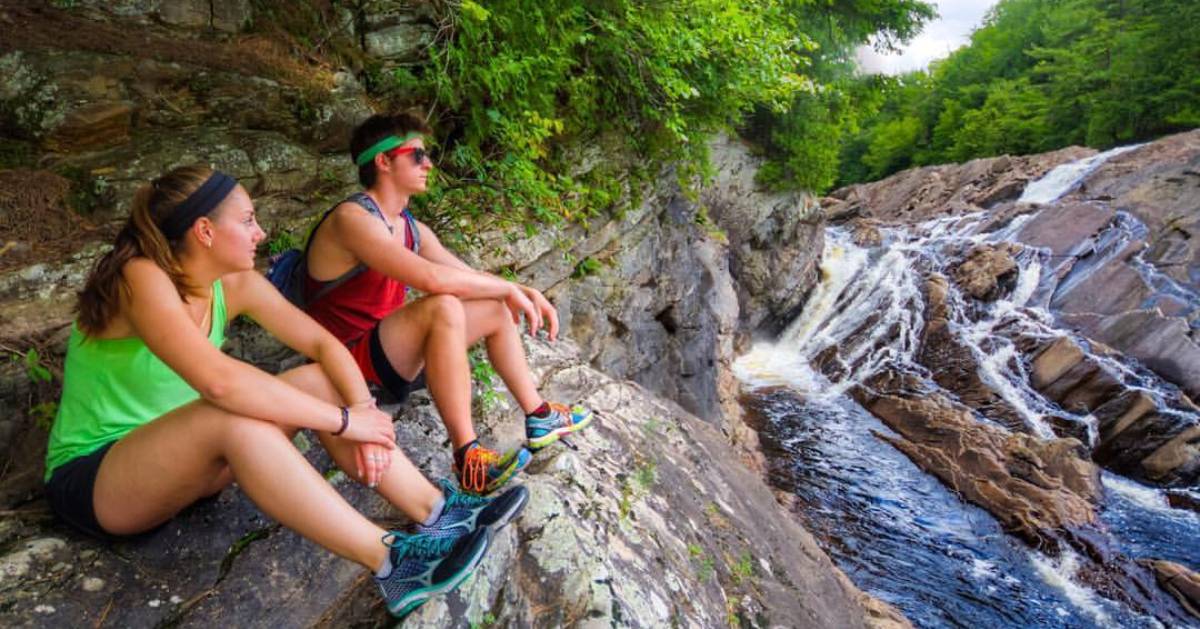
956,19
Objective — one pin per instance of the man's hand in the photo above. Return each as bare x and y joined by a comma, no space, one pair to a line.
547,311
518,304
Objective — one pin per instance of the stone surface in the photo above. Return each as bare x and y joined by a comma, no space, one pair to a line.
616,533
1182,583
1035,488
984,269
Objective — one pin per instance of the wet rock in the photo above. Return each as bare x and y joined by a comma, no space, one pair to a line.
1163,344
866,233
953,364
1158,183
1035,488
920,194
1183,499
1182,583
985,268
1068,229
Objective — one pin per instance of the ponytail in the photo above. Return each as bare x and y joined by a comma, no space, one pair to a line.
141,236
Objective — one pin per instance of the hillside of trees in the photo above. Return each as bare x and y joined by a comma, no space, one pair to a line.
1037,75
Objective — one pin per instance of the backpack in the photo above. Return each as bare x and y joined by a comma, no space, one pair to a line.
288,271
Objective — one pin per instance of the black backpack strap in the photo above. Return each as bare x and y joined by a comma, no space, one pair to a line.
364,201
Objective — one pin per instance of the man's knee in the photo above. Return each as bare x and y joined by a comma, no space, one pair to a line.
446,310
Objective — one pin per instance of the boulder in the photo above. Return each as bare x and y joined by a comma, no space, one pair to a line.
984,268
1181,582
1035,488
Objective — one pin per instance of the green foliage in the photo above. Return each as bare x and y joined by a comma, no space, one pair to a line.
486,380
35,370
16,154
743,569
517,85
488,620
283,240
645,475
1037,76
586,267
704,564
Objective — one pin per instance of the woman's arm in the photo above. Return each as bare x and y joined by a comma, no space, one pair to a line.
160,319
250,293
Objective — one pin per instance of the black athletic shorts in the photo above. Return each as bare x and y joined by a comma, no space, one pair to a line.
391,381
70,492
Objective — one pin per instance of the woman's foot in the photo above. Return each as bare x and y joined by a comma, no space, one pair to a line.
463,512
423,566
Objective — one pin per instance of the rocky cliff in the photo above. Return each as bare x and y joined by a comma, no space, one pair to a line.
654,520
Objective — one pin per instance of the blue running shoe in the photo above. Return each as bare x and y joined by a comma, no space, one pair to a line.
484,471
464,512
560,422
424,566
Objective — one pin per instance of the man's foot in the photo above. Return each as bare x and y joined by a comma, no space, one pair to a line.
559,421
463,512
482,471
424,566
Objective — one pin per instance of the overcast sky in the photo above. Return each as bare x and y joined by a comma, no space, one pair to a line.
956,19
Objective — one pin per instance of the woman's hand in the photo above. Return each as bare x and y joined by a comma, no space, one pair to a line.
370,425
371,459
518,304
545,309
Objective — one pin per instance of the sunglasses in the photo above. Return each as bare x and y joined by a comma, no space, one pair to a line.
419,154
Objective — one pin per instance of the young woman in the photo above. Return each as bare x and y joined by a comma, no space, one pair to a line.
154,416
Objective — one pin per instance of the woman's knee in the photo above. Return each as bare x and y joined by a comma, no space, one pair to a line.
245,430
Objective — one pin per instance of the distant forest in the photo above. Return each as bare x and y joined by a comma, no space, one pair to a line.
1037,75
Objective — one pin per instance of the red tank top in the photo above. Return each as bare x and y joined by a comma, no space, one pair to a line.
362,296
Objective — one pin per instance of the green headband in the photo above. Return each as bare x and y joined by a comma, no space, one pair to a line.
386,144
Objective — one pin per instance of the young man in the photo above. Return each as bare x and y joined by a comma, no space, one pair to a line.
360,260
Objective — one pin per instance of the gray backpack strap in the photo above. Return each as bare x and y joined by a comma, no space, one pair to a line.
365,201
412,229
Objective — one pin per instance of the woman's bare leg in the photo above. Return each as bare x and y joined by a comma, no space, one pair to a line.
402,484
165,465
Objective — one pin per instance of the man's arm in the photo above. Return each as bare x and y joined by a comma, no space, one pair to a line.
373,245
433,250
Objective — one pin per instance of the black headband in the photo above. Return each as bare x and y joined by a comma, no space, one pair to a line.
199,203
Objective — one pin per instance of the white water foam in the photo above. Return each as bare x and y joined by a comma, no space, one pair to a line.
1060,574
1064,177
1145,497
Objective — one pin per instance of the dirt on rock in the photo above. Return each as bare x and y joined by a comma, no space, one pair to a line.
36,220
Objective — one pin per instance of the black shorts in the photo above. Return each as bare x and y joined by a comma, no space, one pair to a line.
70,491
392,382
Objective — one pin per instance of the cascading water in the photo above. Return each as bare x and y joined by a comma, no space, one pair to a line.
898,532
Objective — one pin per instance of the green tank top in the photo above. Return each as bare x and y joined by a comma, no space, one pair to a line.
111,386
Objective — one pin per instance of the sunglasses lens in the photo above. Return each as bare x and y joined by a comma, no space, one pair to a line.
419,156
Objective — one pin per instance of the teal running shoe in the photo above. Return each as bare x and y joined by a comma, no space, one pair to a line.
464,512
424,566
560,422
484,471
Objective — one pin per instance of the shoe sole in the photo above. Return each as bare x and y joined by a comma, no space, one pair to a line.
547,439
416,598
511,513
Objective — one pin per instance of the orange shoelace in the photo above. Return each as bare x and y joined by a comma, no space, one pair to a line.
475,468
563,410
